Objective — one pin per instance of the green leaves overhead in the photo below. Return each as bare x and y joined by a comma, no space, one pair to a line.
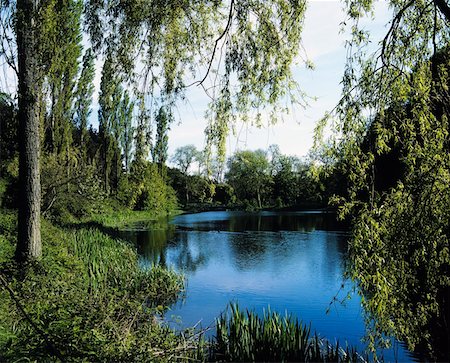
240,52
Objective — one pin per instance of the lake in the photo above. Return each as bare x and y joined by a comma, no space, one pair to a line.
290,261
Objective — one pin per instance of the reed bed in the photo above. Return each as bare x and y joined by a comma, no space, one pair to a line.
113,264
244,336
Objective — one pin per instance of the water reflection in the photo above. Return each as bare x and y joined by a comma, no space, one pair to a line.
151,243
290,261
262,221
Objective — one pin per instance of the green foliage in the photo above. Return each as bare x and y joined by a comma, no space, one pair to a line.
258,42
109,126
59,49
245,337
145,189
67,196
112,264
184,156
84,92
163,121
249,175
90,299
127,130
392,137
8,131
224,194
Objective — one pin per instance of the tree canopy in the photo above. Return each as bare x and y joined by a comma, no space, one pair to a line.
394,114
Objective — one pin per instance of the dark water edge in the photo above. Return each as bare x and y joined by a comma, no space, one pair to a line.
292,262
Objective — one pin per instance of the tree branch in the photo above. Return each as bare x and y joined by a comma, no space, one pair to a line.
444,8
230,18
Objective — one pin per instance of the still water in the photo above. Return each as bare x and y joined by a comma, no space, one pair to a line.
290,261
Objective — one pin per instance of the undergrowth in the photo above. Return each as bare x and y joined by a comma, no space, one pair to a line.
86,300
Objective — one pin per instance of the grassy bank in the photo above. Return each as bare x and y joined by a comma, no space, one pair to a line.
123,217
87,300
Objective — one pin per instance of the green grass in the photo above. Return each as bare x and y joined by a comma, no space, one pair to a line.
123,217
88,300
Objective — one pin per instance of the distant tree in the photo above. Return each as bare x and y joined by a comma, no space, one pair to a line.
184,156
159,152
201,160
83,101
249,175
127,130
274,156
285,181
143,134
60,51
108,115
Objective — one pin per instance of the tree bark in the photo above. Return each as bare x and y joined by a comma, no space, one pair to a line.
29,234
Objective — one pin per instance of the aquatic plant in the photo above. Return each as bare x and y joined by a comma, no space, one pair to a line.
244,336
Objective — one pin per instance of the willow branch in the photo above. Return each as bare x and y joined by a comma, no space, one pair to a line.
444,8
227,28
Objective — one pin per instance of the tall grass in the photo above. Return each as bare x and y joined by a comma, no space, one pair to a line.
90,298
247,337
113,264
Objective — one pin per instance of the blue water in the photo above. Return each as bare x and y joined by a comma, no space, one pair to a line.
292,262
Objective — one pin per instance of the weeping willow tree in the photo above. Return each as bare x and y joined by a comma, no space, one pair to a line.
391,135
239,52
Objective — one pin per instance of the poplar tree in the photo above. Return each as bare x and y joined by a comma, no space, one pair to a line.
159,152
60,49
109,102
83,101
127,129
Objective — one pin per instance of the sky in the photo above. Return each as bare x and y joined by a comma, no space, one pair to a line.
324,45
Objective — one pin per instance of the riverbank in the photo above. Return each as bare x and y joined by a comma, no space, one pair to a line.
89,299
208,207
84,299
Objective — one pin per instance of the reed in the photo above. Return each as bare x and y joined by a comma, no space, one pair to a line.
114,264
244,336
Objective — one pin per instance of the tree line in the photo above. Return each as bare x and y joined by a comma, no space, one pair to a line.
252,180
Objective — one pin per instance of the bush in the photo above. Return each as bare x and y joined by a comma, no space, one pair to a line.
69,189
145,189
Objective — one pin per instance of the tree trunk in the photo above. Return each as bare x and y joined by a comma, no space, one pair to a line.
29,234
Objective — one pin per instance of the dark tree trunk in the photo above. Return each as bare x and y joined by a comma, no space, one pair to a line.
29,234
